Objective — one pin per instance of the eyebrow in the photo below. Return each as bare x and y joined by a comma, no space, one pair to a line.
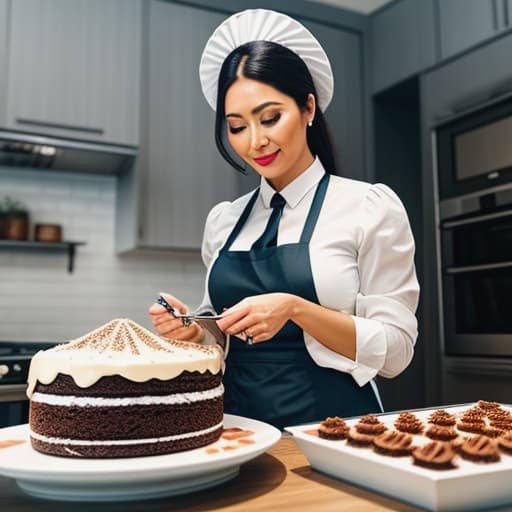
257,109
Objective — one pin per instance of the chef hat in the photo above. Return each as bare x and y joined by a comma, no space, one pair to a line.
264,25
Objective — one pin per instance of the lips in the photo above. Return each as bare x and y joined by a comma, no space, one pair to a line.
267,159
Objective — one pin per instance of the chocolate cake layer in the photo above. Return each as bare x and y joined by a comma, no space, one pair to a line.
117,386
135,450
124,422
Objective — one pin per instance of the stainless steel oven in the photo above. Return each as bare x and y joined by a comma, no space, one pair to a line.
473,155
15,359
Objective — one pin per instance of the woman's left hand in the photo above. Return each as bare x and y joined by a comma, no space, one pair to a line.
261,317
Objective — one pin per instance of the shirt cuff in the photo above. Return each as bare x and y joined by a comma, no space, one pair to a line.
370,352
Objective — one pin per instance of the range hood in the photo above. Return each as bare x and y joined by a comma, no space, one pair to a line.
20,149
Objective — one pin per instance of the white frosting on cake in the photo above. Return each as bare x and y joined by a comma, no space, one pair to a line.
95,401
122,347
124,442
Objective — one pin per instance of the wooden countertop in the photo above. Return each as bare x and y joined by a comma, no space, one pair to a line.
279,480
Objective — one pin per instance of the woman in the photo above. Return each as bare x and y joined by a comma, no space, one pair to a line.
320,276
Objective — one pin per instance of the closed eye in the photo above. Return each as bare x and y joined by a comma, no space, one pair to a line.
272,120
236,129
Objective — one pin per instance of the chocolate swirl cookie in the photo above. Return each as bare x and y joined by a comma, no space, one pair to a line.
477,449
486,405
442,418
441,433
408,422
355,438
370,425
434,455
333,428
393,443
505,443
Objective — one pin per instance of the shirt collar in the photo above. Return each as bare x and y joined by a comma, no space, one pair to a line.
297,189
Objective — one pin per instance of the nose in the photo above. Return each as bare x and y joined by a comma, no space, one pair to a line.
258,138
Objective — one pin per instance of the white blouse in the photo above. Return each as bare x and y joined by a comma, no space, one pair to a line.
362,262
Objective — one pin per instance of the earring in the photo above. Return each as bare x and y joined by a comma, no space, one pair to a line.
310,123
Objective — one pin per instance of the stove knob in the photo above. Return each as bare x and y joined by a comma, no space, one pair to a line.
4,370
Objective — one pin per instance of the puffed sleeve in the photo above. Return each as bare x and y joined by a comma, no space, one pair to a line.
212,229
386,325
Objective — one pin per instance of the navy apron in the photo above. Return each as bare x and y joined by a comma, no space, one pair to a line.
277,381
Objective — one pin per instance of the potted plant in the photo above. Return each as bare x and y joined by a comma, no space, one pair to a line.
15,219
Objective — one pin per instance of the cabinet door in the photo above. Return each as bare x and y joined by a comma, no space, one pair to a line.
402,41
465,23
183,173
3,58
74,68
345,113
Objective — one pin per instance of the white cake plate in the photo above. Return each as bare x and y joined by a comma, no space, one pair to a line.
68,479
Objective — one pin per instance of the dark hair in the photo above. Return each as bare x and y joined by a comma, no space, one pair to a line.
279,67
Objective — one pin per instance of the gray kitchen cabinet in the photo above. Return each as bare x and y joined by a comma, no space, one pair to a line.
402,41
4,4
345,113
74,68
180,174
183,172
466,23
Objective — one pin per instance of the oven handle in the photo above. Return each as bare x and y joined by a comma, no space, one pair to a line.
480,218
476,268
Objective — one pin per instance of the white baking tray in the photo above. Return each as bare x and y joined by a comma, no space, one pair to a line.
470,486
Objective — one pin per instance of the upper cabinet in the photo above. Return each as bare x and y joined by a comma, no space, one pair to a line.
345,113
74,68
4,4
180,174
465,23
403,41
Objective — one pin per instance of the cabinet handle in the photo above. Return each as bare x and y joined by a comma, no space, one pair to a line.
474,220
60,126
506,15
477,268
495,22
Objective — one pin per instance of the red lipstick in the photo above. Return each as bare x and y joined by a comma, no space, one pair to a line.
267,159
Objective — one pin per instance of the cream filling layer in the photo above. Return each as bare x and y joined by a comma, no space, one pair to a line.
92,401
124,442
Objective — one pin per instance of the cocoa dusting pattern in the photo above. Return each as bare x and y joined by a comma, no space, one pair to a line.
122,334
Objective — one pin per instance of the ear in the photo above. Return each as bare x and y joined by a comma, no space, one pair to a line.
309,111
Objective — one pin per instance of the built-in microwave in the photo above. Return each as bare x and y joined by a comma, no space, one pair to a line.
474,150
473,177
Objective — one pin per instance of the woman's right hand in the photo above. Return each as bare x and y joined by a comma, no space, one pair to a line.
169,327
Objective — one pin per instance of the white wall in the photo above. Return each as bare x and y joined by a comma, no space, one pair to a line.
41,301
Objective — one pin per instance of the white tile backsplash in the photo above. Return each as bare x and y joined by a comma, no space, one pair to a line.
40,301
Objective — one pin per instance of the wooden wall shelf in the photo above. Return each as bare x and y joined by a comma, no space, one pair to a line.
64,246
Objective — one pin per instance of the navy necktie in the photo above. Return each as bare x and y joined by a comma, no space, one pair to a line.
269,236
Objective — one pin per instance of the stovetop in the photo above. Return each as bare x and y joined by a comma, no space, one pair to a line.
15,359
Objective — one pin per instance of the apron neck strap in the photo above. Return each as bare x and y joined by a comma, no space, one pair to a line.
314,210
241,220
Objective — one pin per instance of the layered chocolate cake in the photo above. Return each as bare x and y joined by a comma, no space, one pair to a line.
121,391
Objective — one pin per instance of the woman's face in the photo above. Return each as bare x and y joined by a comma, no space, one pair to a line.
267,129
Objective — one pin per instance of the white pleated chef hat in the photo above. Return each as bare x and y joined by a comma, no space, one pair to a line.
264,25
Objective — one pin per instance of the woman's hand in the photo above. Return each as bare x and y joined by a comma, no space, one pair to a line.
261,317
169,327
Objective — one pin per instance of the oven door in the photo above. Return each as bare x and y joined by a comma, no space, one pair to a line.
477,284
